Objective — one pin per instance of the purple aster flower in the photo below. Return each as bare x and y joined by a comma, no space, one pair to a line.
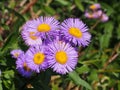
95,6
104,18
94,15
30,38
22,66
75,31
44,26
62,57
88,15
0,72
15,53
36,58
97,14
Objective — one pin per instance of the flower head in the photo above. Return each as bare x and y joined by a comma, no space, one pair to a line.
15,53
30,38
75,31
22,66
36,58
104,18
95,14
44,26
88,15
95,6
62,57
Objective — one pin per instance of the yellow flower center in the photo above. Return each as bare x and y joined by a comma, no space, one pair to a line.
39,58
32,36
75,32
16,55
61,57
43,28
92,7
26,67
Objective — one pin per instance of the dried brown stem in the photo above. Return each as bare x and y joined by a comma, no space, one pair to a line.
95,25
113,56
28,6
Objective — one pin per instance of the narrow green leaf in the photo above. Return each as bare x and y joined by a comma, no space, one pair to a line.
1,38
105,39
79,5
88,1
49,10
75,77
9,74
118,32
108,8
11,40
63,2
82,69
1,84
16,13
93,76
118,85
54,87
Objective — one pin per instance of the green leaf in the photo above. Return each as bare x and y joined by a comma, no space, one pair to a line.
16,13
63,2
93,75
1,84
118,85
1,38
11,40
8,79
49,10
82,69
55,87
9,74
118,32
75,77
79,5
105,39
88,1
108,8
13,37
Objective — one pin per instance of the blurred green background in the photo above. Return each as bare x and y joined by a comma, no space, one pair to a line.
99,64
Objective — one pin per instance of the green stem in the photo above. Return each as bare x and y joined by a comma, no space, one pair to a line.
110,70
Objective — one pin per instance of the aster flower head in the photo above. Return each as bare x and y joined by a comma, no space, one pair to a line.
15,53
88,15
0,72
74,31
44,26
95,6
104,18
22,66
36,58
97,14
62,57
30,38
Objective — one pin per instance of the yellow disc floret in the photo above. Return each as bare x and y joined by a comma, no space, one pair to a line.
75,32
92,7
61,57
26,67
32,36
16,55
43,28
39,58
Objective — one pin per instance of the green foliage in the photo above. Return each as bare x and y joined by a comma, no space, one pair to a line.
98,66
75,77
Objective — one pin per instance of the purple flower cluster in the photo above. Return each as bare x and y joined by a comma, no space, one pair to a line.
96,13
51,45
